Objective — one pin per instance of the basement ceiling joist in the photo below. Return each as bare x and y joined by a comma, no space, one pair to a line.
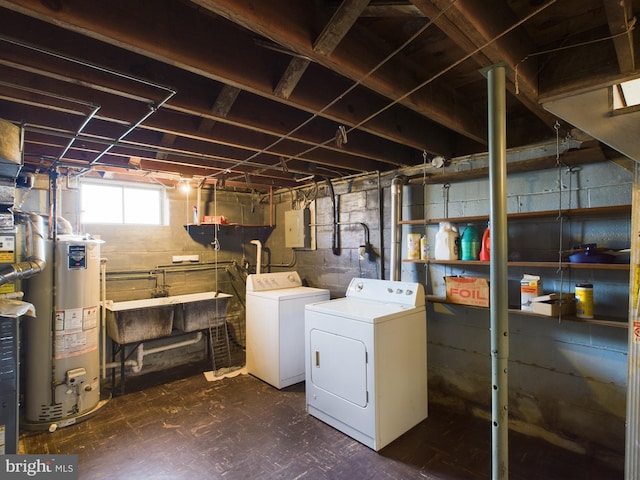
262,93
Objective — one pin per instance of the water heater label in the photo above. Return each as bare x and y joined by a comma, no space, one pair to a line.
76,332
7,249
90,318
77,257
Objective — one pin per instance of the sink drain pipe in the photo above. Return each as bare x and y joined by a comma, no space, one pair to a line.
137,364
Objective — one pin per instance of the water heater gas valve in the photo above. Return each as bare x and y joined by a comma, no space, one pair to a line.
75,377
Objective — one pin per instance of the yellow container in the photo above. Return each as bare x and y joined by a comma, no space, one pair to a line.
413,246
584,300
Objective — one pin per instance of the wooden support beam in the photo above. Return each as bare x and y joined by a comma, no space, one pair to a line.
340,23
621,23
225,100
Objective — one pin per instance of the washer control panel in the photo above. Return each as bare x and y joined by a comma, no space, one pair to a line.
387,291
260,282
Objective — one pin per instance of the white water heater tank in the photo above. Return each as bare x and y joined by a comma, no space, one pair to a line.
62,343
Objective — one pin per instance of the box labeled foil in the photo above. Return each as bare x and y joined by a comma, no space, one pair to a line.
467,290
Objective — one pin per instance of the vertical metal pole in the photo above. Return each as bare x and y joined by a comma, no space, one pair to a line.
396,228
499,274
632,455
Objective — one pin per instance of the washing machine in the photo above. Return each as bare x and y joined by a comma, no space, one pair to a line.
275,326
366,360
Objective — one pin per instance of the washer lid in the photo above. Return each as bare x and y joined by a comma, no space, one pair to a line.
362,310
288,293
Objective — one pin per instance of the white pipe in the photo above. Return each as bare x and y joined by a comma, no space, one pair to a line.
258,244
103,313
137,364
129,363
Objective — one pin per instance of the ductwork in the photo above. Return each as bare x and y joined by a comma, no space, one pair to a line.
396,229
35,261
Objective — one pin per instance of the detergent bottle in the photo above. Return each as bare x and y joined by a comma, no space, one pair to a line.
485,249
469,243
446,242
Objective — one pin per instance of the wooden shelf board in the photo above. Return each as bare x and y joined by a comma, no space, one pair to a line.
478,263
574,212
620,323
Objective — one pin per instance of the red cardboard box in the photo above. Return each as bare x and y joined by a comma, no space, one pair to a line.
468,291
215,219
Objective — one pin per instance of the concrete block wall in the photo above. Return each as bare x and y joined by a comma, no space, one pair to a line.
358,205
567,380
139,258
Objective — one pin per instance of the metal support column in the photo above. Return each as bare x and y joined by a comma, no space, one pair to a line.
632,453
499,274
395,267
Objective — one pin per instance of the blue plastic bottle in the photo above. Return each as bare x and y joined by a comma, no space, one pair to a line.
469,243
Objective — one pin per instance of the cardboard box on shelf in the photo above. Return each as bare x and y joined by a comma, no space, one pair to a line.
530,288
554,304
467,290
214,219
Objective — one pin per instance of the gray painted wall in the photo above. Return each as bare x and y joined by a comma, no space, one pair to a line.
567,379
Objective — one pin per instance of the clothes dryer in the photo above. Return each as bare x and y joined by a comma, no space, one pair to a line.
366,360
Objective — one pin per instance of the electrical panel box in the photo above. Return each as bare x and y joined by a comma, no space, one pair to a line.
297,232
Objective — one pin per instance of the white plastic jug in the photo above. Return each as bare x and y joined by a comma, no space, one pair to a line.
446,242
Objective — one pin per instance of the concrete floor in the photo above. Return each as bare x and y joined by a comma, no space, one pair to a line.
241,427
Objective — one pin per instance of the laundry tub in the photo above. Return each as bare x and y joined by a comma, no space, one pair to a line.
139,320
197,311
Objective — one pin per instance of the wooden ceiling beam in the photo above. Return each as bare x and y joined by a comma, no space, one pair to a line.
230,142
621,26
79,156
291,76
341,22
203,49
117,100
473,26
221,107
287,23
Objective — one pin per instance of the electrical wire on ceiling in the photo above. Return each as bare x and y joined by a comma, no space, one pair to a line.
627,31
340,97
268,149
110,143
400,98
152,107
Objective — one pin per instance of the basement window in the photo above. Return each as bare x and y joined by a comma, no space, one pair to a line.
626,95
117,203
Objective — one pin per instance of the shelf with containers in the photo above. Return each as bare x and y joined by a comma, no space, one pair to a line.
539,254
619,323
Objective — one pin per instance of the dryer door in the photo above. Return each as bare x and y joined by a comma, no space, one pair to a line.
339,366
